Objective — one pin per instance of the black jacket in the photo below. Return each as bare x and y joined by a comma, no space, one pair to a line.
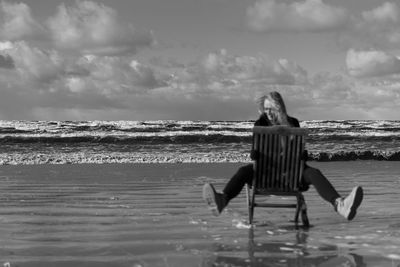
264,121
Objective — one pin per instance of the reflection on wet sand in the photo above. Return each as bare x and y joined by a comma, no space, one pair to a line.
153,215
262,250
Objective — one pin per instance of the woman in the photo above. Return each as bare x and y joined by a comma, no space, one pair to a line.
273,112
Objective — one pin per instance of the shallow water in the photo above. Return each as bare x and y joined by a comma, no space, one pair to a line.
153,215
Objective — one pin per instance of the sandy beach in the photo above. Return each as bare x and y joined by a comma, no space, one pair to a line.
153,215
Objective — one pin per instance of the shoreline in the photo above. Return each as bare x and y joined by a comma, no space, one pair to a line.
207,158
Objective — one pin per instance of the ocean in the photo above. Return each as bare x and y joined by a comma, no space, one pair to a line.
56,211
74,142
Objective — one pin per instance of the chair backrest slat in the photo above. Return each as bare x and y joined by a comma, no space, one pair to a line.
284,178
263,167
279,164
269,164
292,167
256,144
274,163
297,159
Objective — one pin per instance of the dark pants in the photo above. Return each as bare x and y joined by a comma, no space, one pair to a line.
311,176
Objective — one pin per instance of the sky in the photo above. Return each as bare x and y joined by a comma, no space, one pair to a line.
198,59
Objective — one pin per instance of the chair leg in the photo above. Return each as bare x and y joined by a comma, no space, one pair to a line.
303,209
250,203
248,194
296,216
298,209
251,214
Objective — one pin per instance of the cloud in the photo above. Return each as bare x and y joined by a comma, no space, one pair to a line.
112,76
386,13
94,28
85,27
79,60
381,25
340,96
221,85
371,63
36,78
16,22
33,64
6,62
45,84
81,64
378,27
309,15
226,69
332,89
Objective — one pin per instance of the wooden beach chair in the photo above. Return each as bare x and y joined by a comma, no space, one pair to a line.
278,168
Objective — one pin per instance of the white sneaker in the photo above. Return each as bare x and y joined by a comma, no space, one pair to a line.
347,207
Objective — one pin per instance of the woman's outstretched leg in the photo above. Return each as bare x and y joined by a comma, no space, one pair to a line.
244,175
347,207
218,201
324,188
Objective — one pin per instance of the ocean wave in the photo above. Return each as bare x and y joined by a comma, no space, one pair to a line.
123,126
182,138
137,128
327,141
181,157
197,137
348,124
355,155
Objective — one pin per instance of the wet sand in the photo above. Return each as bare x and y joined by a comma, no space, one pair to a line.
153,215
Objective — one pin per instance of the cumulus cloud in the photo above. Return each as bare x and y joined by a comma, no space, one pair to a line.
6,62
371,63
44,84
222,67
34,64
84,27
44,78
16,22
111,76
378,27
79,60
85,67
309,15
386,13
221,85
94,28
327,88
340,96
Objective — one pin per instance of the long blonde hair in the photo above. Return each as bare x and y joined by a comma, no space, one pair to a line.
276,100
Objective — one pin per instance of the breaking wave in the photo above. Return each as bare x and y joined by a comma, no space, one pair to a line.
63,142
